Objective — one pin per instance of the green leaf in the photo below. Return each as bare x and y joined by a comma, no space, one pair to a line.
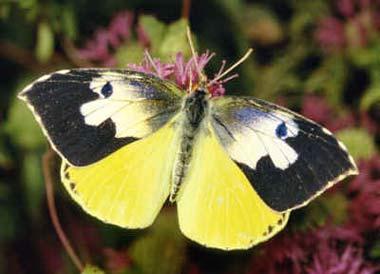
5,11
33,183
328,207
330,78
233,7
261,25
69,22
8,215
130,53
91,269
175,40
27,4
371,96
5,157
162,249
374,252
22,127
155,31
359,142
45,42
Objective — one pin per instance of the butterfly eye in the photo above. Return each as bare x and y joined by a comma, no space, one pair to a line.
106,90
281,130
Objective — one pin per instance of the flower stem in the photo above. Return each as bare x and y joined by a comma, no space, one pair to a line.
186,4
46,165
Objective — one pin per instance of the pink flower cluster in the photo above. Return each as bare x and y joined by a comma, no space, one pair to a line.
364,191
359,19
99,49
318,109
183,73
332,249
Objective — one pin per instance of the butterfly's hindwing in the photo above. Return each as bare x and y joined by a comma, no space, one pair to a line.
89,113
128,187
217,206
288,159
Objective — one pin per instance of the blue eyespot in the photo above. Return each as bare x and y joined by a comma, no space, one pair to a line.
282,131
106,90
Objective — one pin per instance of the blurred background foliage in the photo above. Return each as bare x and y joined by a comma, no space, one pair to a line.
321,58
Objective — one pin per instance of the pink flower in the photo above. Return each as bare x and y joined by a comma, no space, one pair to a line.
326,250
364,208
153,66
316,109
119,29
332,260
346,7
338,123
184,73
99,49
331,249
330,34
360,19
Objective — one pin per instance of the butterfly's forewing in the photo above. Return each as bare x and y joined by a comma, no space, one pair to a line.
89,113
128,187
287,158
217,206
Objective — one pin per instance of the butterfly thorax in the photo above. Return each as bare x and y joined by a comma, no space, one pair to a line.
194,109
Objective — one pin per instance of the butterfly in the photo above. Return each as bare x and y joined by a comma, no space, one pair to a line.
235,166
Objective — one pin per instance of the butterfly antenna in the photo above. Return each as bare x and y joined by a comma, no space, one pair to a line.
195,55
241,60
151,61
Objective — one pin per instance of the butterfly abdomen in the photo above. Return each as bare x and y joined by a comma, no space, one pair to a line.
195,109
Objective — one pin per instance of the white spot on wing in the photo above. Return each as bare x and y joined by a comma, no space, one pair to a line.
258,139
121,89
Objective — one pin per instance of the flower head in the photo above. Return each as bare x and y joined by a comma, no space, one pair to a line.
100,48
183,72
331,249
358,21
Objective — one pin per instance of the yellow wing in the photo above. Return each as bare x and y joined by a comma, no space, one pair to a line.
217,206
129,187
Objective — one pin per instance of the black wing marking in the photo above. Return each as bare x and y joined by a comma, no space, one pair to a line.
57,102
288,159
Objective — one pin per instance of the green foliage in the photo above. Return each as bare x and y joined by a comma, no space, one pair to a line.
174,40
371,97
261,25
329,79
22,127
375,250
33,183
161,250
324,209
45,42
7,212
5,157
165,41
155,30
90,269
129,53
359,142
